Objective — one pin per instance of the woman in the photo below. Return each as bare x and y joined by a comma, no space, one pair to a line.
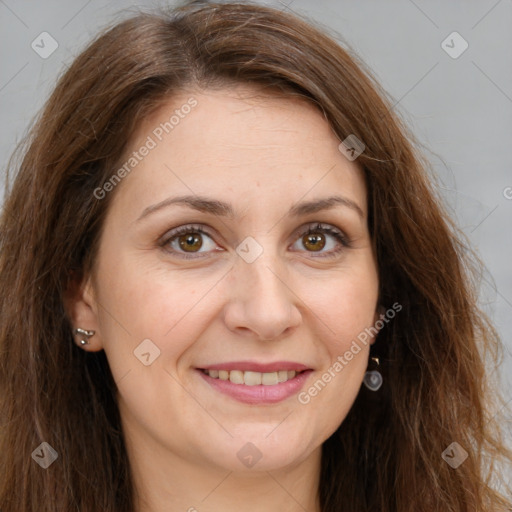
228,282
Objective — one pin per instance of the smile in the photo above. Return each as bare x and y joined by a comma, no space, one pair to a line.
252,378
256,384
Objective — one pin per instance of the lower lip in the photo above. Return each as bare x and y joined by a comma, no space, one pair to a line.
258,394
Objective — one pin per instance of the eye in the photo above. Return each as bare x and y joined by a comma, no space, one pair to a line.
318,237
188,240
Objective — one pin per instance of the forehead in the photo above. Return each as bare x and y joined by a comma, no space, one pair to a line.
240,144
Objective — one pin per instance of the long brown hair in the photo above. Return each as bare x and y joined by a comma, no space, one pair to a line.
386,455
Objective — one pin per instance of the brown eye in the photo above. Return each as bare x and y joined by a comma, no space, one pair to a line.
190,242
314,242
323,239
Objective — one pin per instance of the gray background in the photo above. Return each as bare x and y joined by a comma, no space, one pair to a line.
460,109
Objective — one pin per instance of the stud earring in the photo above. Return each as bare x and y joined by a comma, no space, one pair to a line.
85,333
373,378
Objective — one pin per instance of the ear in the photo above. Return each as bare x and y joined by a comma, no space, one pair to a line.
82,311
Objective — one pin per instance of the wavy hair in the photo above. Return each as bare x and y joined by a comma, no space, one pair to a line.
386,454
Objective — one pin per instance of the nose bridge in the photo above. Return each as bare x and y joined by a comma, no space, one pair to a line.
262,300
266,266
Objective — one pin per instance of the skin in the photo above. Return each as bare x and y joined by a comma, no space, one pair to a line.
262,154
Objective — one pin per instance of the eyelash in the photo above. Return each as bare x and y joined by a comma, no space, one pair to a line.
312,229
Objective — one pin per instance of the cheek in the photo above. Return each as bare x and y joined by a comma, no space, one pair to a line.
345,345
344,305
170,308
158,312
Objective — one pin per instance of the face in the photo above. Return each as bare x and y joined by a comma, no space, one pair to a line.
236,247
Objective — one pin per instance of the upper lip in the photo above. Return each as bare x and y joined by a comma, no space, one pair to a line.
253,366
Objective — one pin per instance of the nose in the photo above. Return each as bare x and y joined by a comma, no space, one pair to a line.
262,304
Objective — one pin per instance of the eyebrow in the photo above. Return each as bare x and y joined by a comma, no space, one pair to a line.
222,209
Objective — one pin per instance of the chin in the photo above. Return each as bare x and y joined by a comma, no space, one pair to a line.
260,448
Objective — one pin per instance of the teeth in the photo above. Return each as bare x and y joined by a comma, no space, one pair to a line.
252,378
236,377
282,376
269,379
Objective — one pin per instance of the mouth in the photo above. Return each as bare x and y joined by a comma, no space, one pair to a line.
250,378
252,383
